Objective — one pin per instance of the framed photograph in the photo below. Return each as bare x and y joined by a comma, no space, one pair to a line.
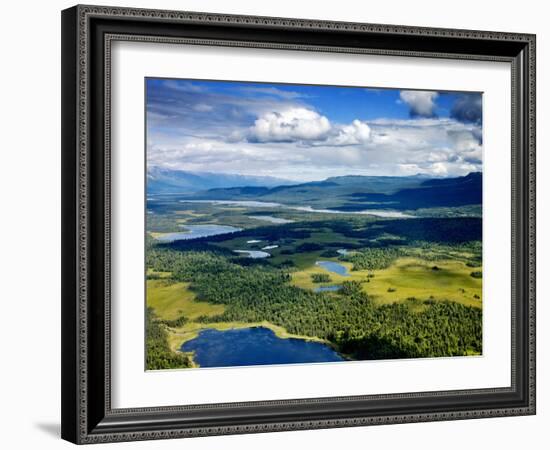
278,224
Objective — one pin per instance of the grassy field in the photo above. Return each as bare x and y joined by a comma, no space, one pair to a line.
407,277
172,300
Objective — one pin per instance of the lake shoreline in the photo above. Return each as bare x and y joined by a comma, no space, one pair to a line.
179,336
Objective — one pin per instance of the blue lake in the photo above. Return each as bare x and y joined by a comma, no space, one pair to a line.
197,231
334,267
255,346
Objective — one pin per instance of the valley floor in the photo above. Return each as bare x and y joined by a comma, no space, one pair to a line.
370,287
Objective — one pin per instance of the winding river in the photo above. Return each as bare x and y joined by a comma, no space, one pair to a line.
258,204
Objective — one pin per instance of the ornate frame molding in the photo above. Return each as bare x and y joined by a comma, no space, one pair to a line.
86,422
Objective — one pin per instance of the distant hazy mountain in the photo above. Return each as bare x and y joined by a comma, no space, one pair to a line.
380,184
168,181
349,193
437,192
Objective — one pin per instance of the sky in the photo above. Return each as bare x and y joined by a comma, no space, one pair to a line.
305,133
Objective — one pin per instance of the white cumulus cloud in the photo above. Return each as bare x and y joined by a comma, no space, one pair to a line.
357,132
301,144
420,103
294,124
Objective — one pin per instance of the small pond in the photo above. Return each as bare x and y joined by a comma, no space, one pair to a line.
333,267
254,254
333,288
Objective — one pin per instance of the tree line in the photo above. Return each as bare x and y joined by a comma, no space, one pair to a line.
158,353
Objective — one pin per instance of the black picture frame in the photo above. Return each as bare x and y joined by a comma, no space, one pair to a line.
87,416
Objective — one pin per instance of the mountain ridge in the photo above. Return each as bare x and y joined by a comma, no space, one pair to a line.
362,193
171,181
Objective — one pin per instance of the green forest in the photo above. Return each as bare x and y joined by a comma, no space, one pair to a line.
413,289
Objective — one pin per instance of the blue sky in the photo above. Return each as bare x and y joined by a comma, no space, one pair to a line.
303,132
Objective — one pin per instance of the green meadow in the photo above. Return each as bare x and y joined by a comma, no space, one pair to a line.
172,300
406,278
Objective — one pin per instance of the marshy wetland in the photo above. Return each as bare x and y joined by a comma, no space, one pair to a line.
233,289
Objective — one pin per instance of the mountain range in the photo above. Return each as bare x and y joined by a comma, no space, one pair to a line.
459,191
168,181
345,193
